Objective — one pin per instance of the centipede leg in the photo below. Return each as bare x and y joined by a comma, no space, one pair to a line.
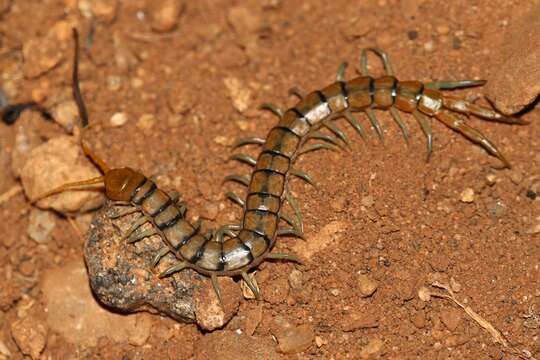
244,180
337,131
381,54
248,141
314,147
228,229
142,235
424,123
450,85
289,232
401,124
355,124
294,205
234,197
283,256
298,92
137,224
254,288
273,108
325,137
217,289
179,266
297,231
340,75
303,175
120,214
375,123
467,108
245,158
458,124
161,253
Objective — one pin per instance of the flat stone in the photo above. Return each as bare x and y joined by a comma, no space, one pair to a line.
515,83
73,312
228,345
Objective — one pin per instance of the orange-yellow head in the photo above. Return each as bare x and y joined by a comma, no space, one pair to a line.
120,183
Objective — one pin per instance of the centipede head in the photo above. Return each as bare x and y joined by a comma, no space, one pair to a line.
120,183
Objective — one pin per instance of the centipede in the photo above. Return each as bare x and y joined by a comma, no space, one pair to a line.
236,249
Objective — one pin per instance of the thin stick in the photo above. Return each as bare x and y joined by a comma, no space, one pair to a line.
10,193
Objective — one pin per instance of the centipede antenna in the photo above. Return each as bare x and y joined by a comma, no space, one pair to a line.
71,185
81,107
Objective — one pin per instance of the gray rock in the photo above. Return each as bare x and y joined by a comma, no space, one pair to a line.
121,274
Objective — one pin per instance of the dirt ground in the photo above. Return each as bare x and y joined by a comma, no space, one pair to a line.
381,228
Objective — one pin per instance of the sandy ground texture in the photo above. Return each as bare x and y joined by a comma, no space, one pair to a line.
402,259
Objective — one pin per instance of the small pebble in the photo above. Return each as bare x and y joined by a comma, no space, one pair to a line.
223,140
334,292
366,285
40,225
419,319
164,14
443,29
229,345
40,55
243,20
30,336
211,211
359,320
296,339
412,35
516,176
296,279
534,229
146,122
456,340
104,10
27,267
467,195
239,93
428,46
4,350
424,294
531,194
118,119
451,318
137,83
319,341
209,312
373,347
253,318
114,83
66,114
497,209
456,287
491,179
56,162
367,201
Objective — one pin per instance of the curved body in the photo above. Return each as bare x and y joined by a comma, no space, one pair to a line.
265,193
